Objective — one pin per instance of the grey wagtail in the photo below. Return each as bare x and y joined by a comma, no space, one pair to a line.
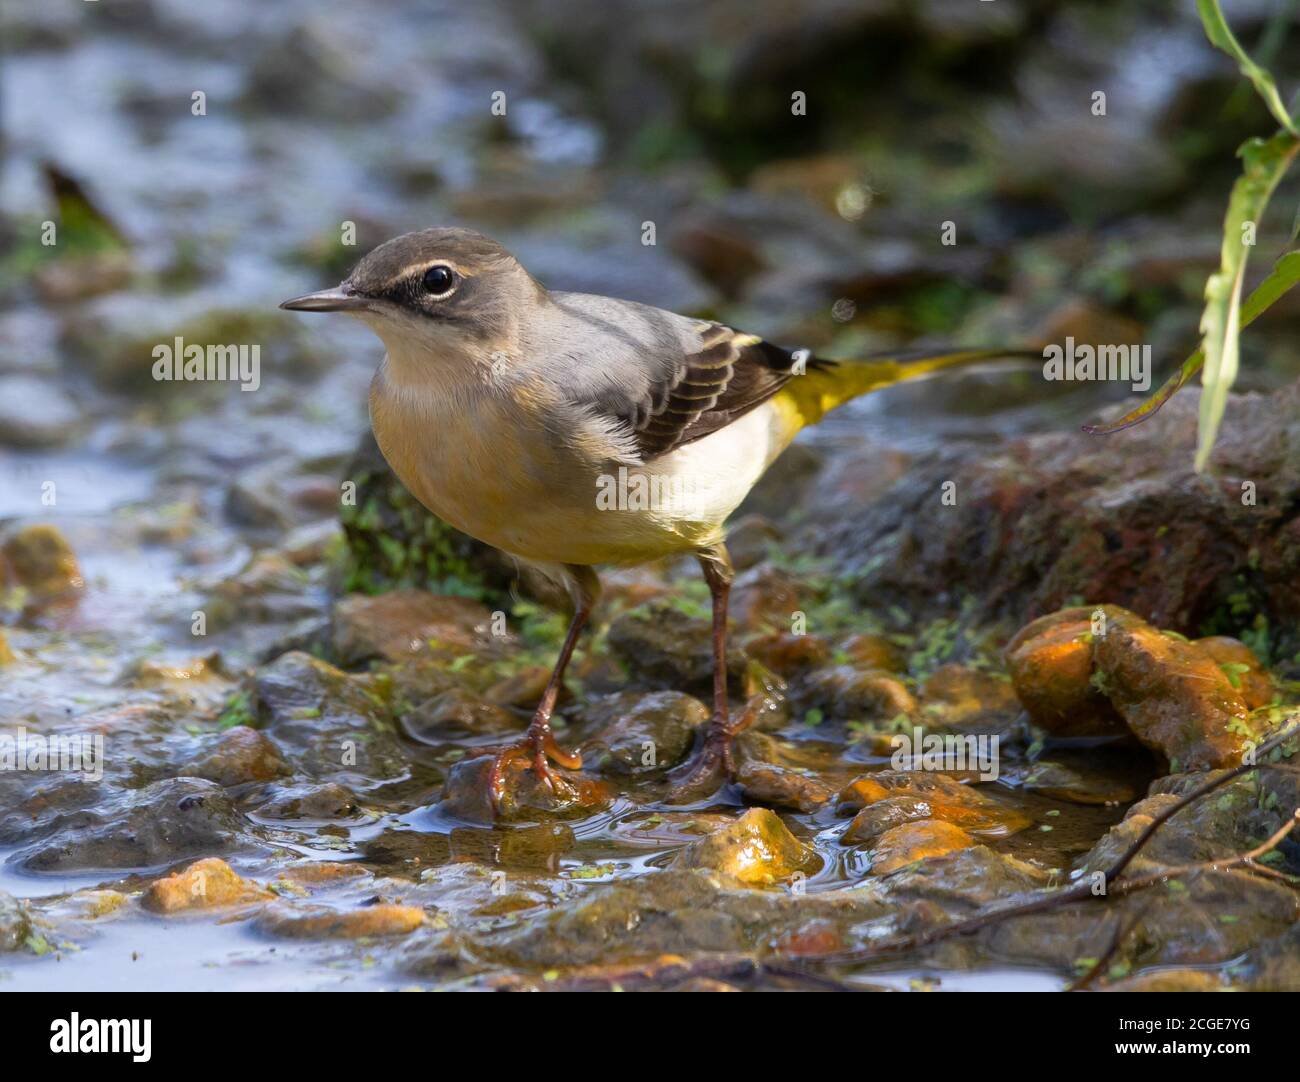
510,411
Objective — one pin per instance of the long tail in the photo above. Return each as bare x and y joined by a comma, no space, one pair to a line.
827,384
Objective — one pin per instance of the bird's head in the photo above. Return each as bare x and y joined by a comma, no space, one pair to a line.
439,291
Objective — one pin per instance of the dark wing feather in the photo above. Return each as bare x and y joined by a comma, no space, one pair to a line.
653,378
729,375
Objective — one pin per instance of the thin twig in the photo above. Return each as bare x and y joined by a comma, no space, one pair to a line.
1080,891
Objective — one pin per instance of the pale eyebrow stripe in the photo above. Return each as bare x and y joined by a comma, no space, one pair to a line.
425,264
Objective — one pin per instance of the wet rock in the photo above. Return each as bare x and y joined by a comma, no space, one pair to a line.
757,849
457,711
238,756
525,797
763,597
404,623
959,697
1079,669
1056,516
847,693
1223,824
160,824
34,413
523,688
1051,666
1075,786
642,732
911,842
40,560
329,724
1274,965
15,922
1174,980
676,912
882,784
664,647
321,922
986,818
152,673
767,783
312,543
268,589
961,881
328,801
256,501
1176,699
891,798
866,651
205,884
6,651
93,904
1203,919
321,872
787,654
1242,667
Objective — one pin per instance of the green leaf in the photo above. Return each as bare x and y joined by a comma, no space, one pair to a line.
1266,160
1216,29
1285,274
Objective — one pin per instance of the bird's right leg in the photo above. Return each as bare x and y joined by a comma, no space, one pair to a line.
713,763
538,742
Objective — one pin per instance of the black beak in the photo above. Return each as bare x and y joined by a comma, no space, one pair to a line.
338,299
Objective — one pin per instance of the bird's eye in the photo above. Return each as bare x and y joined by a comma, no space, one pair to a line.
439,280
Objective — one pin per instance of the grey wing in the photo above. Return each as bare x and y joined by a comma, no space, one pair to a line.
657,379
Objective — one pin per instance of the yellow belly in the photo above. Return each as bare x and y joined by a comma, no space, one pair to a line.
499,478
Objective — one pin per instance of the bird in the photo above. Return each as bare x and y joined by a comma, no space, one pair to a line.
521,415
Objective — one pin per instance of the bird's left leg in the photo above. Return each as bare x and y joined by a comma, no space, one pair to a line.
714,761
539,741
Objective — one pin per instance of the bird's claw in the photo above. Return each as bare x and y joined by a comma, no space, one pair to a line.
715,762
539,745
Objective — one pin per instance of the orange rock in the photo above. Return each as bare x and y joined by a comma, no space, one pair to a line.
869,788
757,848
40,559
321,922
967,697
1239,661
906,844
1051,666
766,783
868,651
205,884
764,597
786,654
323,871
1174,696
848,692
892,798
